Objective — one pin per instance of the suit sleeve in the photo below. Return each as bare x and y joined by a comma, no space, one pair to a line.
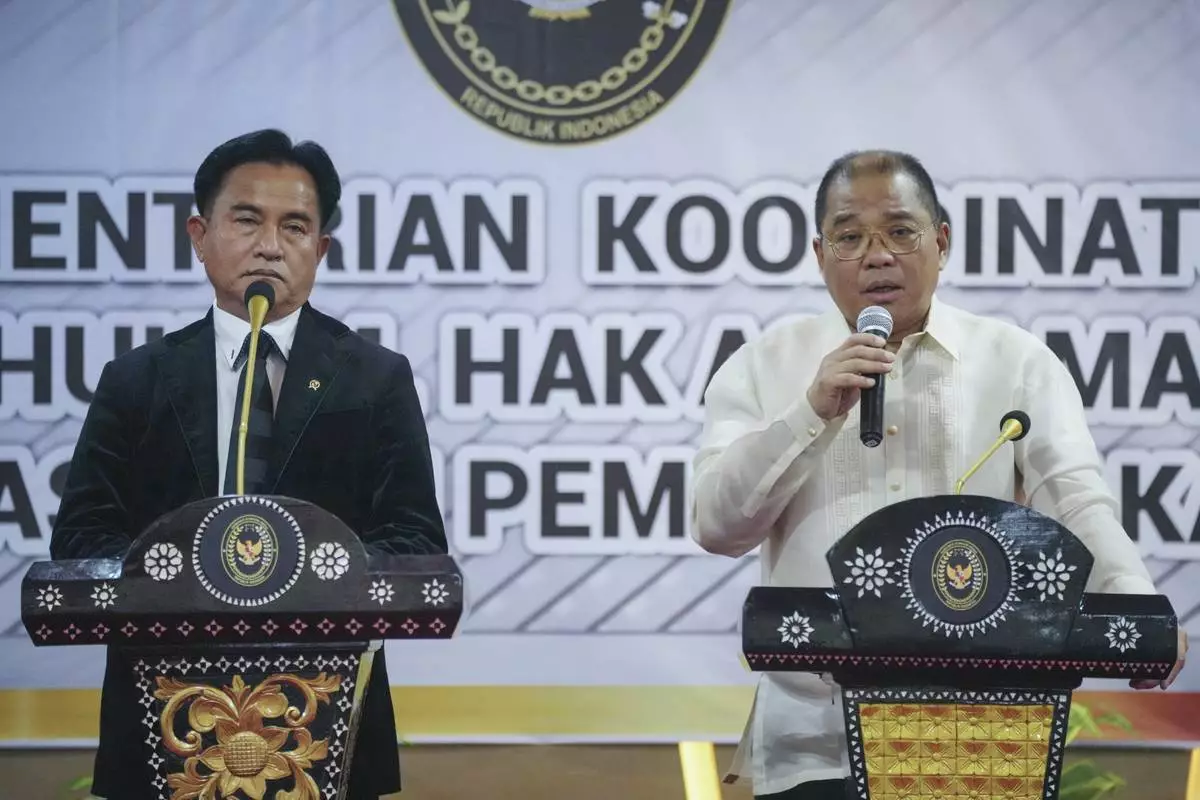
1064,478
404,517
749,466
93,519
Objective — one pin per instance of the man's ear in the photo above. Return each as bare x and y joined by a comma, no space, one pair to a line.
197,226
943,243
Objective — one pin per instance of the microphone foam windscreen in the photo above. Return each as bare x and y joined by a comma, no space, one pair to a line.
1019,416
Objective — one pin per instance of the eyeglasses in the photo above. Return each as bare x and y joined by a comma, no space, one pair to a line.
852,244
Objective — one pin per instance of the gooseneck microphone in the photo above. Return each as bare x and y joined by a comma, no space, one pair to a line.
1013,427
875,320
259,298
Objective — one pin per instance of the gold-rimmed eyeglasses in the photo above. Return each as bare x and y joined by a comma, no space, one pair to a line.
851,244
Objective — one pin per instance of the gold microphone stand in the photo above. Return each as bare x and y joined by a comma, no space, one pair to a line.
258,306
1010,431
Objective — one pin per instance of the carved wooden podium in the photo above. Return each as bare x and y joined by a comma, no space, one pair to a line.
957,628
251,623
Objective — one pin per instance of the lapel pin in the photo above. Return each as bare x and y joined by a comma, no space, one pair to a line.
313,385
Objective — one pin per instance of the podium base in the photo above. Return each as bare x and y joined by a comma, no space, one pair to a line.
918,742
247,722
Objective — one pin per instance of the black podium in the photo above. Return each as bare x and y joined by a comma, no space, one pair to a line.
957,628
251,623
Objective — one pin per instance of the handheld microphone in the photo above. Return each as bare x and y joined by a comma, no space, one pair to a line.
1013,427
875,320
259,298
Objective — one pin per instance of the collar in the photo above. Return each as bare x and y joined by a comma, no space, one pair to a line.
941,327
231,331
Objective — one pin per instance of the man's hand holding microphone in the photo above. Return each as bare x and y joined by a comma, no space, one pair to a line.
855,371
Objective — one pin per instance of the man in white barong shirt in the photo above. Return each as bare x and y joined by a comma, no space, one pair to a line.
780,464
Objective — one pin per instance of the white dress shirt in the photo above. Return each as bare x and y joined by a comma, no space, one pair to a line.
769,471
230,332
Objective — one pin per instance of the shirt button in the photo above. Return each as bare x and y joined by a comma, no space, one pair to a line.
895,487
892,430
812,431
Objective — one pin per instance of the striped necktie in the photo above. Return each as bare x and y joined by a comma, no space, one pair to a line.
262,420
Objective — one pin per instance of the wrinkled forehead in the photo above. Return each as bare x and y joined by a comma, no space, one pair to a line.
875,198
281,188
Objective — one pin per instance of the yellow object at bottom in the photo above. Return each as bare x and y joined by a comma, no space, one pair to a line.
955,751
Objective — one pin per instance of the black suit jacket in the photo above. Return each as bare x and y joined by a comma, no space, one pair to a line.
356,447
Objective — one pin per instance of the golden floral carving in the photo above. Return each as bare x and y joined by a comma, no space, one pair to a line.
247,753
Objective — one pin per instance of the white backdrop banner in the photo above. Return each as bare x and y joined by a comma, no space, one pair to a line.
567,213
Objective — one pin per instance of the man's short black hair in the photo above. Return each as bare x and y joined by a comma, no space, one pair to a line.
888,162
268,146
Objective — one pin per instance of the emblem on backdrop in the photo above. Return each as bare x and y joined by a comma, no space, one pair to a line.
561,72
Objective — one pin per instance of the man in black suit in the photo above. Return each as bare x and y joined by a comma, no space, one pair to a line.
348,433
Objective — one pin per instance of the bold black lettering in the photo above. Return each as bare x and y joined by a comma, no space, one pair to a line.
721,239
609,233
1173,352
39,366
1114,354
22,513
1107,216
93,213
552,498
465,366
973,260
1012,219
796,245
618,485
1133,502
24,229
335,258
731,339
514,251
421,212
617,367
1170,208
481,504
182,204
75,384
562,345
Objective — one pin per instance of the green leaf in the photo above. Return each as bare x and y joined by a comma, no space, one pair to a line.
1092,789
1082,720
1078,772
1115,720
1083,780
